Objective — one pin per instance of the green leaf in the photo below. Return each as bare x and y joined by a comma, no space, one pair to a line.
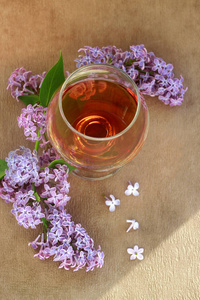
29,99
45,223
52,81
129,62
3,167
37,197
61,162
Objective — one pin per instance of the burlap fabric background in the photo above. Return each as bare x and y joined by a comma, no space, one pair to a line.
32,33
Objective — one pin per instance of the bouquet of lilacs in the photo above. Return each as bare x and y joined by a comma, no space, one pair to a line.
36,182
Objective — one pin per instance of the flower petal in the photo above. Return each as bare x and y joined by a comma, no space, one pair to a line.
136,185
135,193
141,250
112,208
130,251
112,197
136,225
136,248
133,256
117,202
108,202
130,187
128,192
140,256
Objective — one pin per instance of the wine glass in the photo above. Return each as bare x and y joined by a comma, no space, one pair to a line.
97,121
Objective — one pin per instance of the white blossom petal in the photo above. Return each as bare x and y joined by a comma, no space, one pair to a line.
130,250
135,225
136,185
128,192
112,197
135,248
112,208
108,202
140,256
135,193
141,250
133,256
117,202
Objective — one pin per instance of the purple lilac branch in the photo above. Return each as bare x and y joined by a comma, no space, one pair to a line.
39,195
152,75
33,120
22,82
67,242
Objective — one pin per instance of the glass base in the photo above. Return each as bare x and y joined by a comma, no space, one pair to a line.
94,175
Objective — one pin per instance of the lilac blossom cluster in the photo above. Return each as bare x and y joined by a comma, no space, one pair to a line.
39,194
22,82
22,167
48,155
152,75
33,120
67,243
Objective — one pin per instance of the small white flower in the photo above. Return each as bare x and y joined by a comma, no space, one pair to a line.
111,203
132,189
136,252
134,225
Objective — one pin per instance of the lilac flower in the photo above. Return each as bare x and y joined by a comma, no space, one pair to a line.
67,243
55,237
132,189
151,74
56,186
61,172
23,196
39,197
48,191
15,211
22,167
46,175
37,212
48,155
55,199
65,187
139,51
176,101
144,77
111,203
159,65
28,216
9,198
7,188
33,120
134,225
132,72
22,82
34,244
135,252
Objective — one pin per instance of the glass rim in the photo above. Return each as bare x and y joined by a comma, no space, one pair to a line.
87,136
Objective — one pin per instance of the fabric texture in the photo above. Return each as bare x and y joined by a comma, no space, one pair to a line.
32,33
